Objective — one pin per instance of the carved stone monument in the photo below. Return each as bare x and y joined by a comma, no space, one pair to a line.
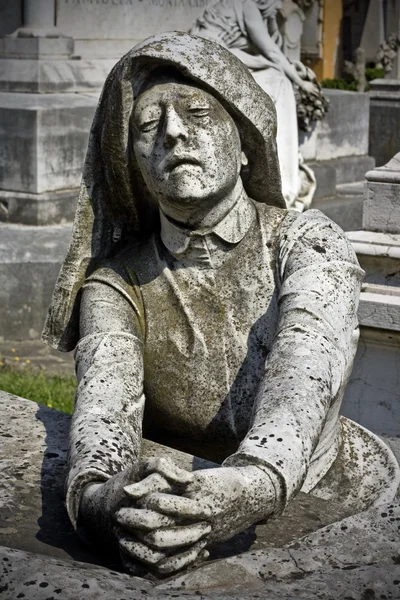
200,306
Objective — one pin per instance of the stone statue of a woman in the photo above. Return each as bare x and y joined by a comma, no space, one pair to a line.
204,315
248,28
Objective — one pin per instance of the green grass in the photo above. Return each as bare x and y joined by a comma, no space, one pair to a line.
56,391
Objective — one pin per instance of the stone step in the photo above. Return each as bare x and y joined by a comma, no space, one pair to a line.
379,255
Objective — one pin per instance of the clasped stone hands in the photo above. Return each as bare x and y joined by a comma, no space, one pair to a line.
167,519
177,513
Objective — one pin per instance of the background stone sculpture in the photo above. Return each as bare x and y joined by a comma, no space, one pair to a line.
250,30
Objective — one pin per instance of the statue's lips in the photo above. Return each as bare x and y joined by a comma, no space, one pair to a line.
182,161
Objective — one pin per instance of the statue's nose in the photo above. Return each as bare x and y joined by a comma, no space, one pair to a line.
174,127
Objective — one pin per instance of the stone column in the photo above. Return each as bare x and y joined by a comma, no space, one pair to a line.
373,33
39,20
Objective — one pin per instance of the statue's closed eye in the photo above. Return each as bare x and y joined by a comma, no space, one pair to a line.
200,111
149,125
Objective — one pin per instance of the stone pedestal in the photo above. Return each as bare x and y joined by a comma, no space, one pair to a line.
373,394
337,150
44,123
384,127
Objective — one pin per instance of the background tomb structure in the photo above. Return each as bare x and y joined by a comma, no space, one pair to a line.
373,396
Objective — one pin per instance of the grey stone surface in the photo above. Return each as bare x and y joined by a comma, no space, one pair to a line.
379,256
31,47
381,210
338,172
125,19
372,395
358,542
39,549
32,510
30,259
346,207
344,131
351,169
39,76
48,208
50,132
384,128
326,176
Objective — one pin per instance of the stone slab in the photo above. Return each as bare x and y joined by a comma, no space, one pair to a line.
48,208
32,513
372,396
366,539
126,19
379,255
325,565
344,130
384,129
380,307
381,210
43,140
384,85
46,76
345,208
30,259
51,48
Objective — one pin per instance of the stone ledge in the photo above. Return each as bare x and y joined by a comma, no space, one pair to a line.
48,208
53,76
47,135
359,554
380,307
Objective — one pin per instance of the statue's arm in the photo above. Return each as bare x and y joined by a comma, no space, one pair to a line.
106,428
259,36
312,354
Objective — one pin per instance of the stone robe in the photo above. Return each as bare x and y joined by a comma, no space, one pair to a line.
234,344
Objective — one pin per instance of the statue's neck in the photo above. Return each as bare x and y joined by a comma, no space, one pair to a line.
199,218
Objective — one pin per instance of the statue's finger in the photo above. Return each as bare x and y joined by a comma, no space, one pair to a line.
152,483
182,560
168,469
175,537
139,518
177,506
140,551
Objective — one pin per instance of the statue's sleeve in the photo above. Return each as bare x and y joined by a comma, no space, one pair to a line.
310,360
106,427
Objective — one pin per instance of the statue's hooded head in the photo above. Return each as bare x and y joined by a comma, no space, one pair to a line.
115,208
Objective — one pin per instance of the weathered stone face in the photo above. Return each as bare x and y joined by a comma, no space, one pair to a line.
187,147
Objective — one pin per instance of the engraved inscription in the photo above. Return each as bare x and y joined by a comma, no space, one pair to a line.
102,2
181,3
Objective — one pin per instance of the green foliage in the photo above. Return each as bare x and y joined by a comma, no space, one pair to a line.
349,85
374,73
56,391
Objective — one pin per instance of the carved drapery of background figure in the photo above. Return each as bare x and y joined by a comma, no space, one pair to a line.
250,30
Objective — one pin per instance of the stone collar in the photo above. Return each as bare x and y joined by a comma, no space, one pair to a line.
232,229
